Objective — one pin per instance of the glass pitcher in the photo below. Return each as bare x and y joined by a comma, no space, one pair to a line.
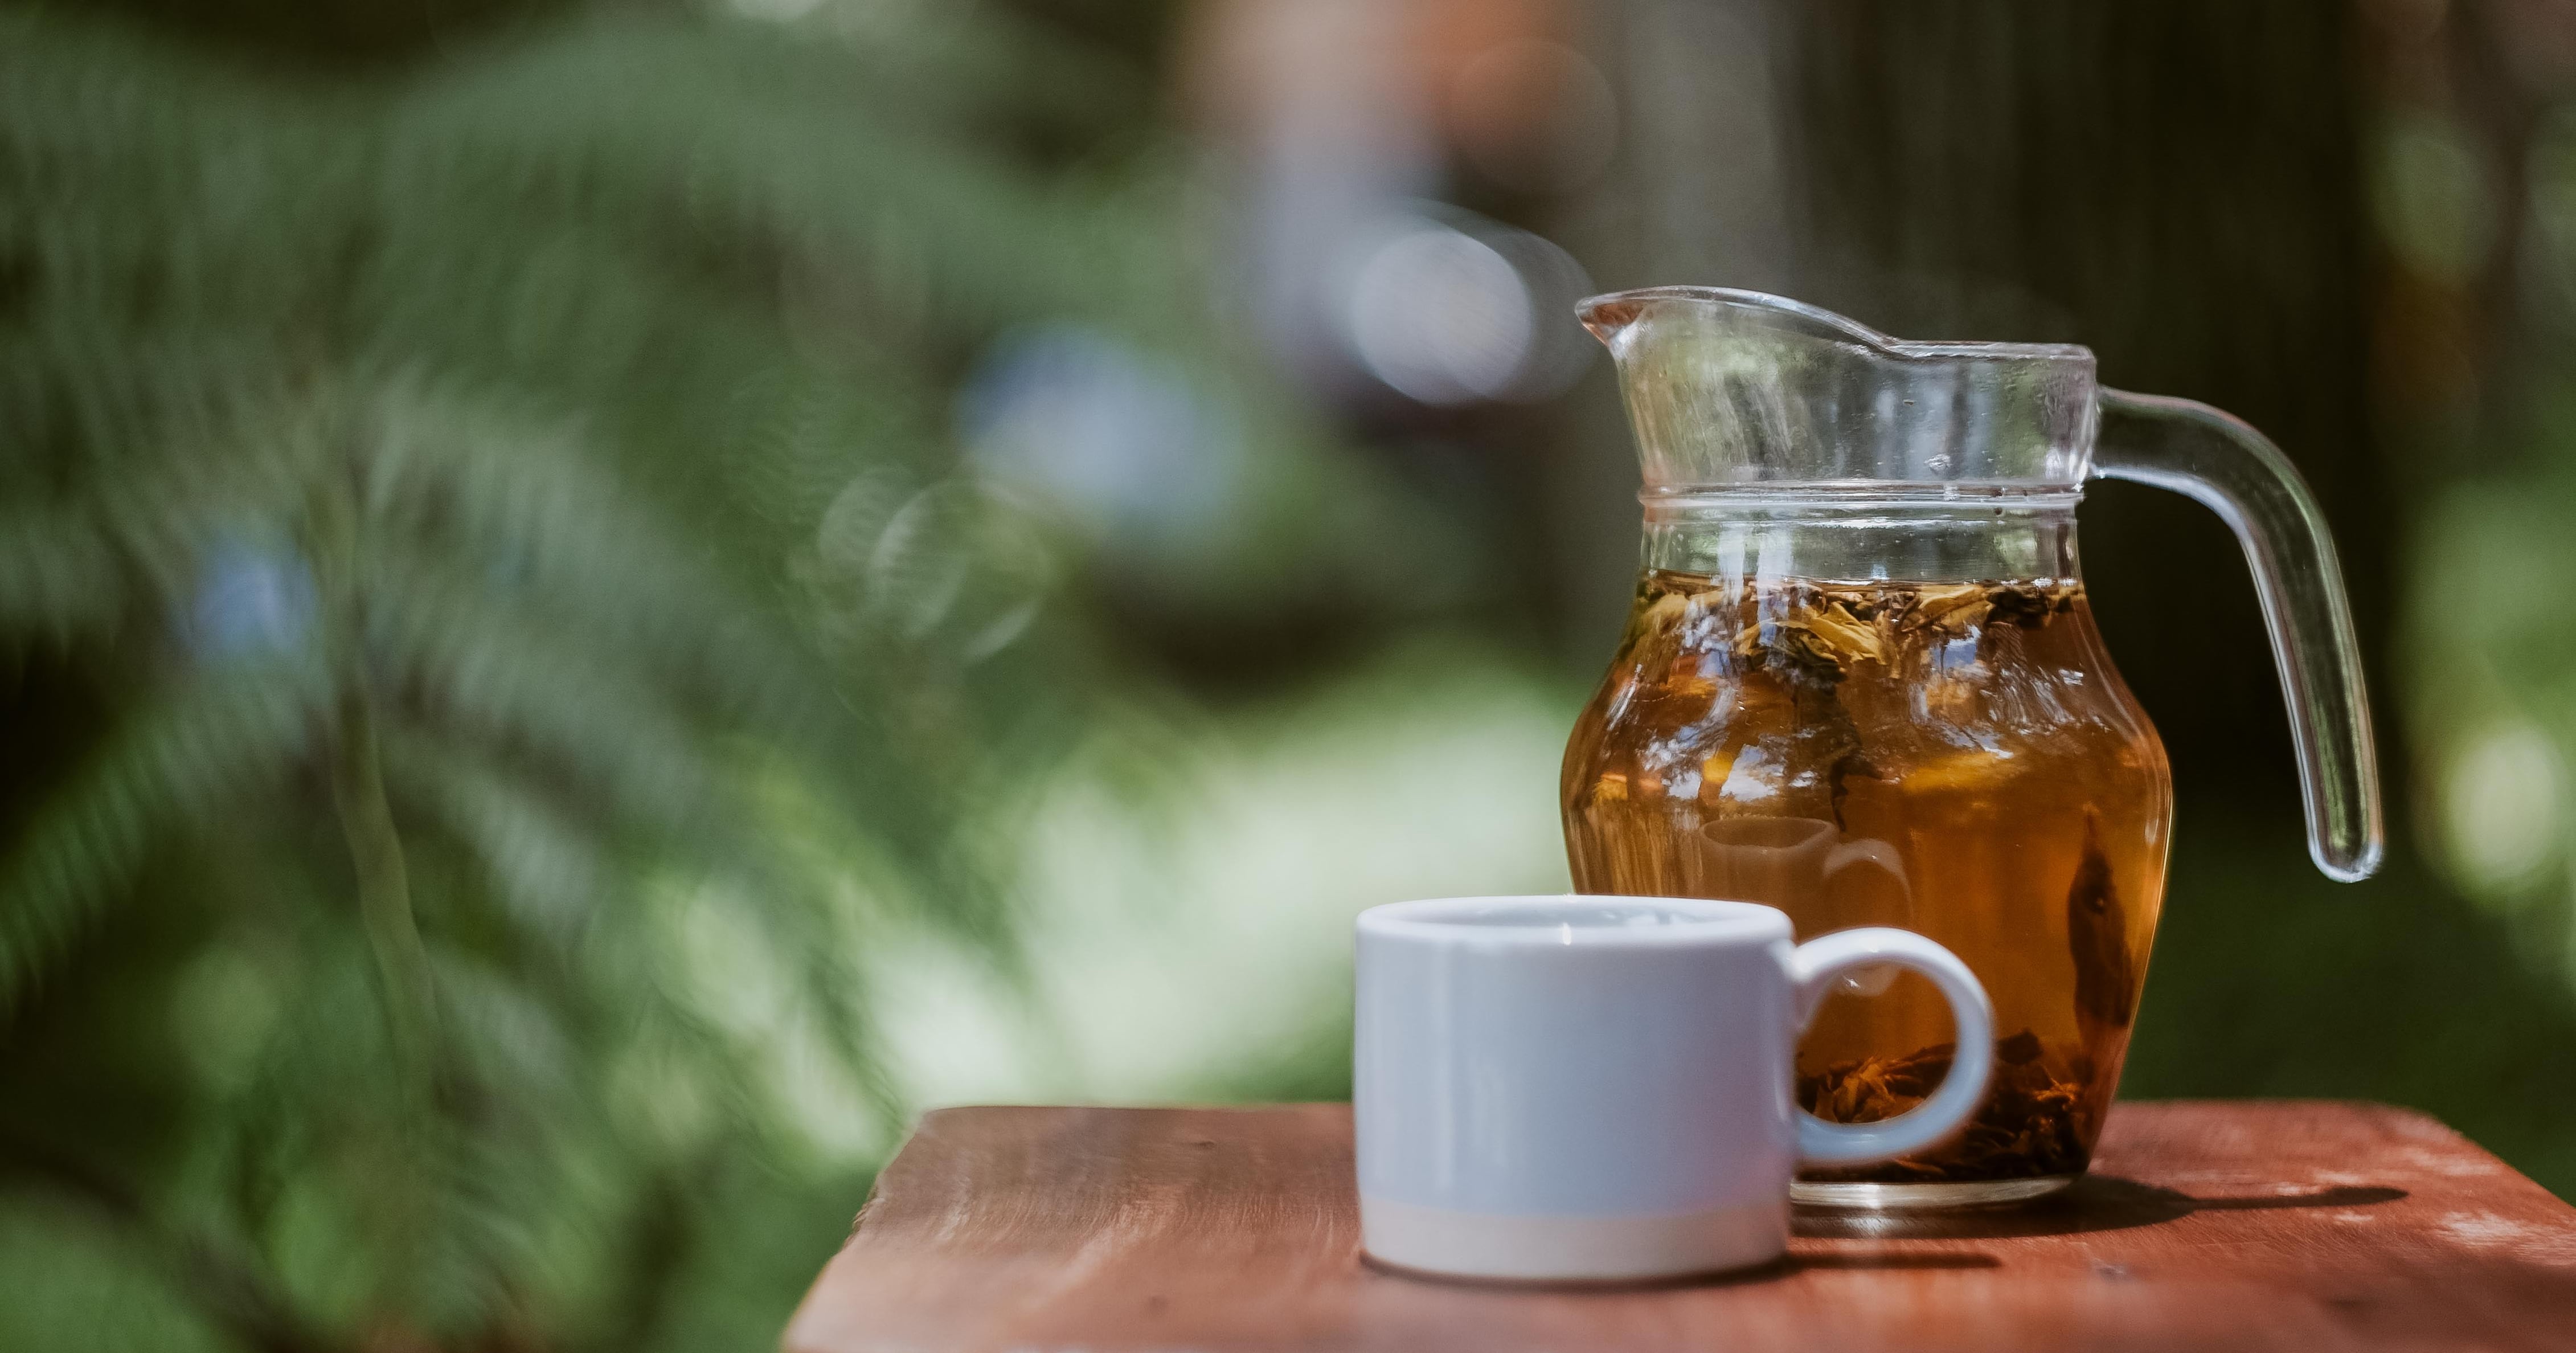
1861,683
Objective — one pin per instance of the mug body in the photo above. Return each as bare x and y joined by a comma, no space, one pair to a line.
1573,1088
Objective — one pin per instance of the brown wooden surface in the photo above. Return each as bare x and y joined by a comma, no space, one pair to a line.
2265,1225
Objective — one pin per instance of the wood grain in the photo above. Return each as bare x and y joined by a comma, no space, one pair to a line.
2270,1225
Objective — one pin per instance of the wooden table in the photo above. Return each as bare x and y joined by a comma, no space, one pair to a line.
2205,1225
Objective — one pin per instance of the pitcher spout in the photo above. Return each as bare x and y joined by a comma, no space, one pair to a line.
1732,390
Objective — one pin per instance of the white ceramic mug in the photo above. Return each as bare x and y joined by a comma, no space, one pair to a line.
1598,1088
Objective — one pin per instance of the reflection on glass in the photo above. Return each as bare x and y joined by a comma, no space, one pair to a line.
1810,868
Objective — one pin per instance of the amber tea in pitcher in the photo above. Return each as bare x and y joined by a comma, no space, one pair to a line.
1861,682
1907,755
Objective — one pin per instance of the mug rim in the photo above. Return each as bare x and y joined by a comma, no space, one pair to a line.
1443,920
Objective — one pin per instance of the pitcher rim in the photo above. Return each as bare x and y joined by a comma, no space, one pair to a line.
1593,312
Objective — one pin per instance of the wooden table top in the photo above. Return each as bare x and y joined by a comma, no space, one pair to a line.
2205,1225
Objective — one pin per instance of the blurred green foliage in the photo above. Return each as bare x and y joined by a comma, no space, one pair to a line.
2475,198
495,620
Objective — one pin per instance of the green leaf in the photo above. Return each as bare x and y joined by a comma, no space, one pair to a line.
178,762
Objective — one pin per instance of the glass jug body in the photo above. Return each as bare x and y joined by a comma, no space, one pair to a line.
1861,682
1900,714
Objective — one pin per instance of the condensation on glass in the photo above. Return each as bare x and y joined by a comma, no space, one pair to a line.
1861,682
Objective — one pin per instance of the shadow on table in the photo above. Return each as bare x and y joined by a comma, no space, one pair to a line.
1875,1262
1749,1277
2094,1203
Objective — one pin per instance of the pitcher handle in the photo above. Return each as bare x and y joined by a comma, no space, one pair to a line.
2235,471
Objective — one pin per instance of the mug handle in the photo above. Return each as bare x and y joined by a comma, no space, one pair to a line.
1813,966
